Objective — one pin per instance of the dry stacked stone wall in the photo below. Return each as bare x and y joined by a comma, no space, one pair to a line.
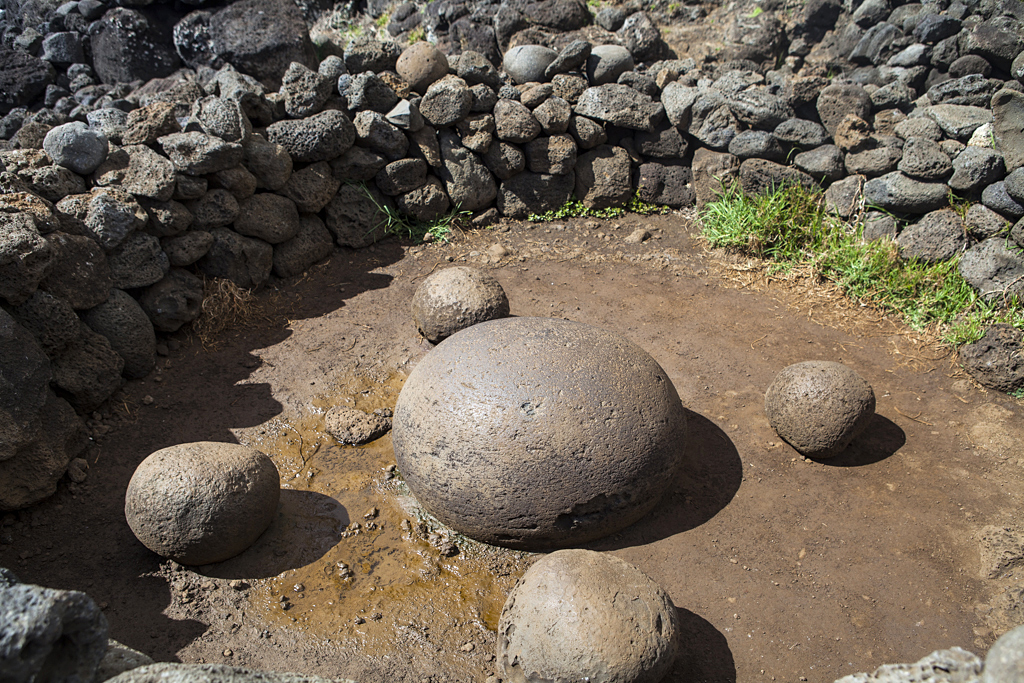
130,172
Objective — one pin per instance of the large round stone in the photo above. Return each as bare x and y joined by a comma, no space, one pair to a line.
819,407
420,65
455,298
202,502
538,433
580,615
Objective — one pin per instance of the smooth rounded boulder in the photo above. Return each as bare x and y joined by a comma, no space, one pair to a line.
538,433
202,502
819,407
454,299
583,615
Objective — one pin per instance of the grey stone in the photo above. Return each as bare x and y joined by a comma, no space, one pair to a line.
537,507
938,236
50,319
267,216
712,121
425,141
1004,659
46,632
825,163
1014,183
88,369
137,262
368,91
876,45
606,63
528,635
527,63
77,147
366,53
973,90
610,18
845,197
957,121
819,407
620,105
514,122
895,94
917,54
759,108
23,78
109,214
469,184
665,184
199,153
923,159
357,165
25,257
484,98
374,131
678,100
245,261
129,44
642,38
186,249
531,193
446,102
270,163
405,115
758,144
356,217
998,199
555,155
474,68
713,173
901,194
454,299
79,273
993,269
189,187
426,203
119,658
878,225
222,118
125,325
320,137
983,222
238,181
476,132
203,502
402,176
212,673
1008,126
139,170
570,58
587,132
174,301
801,133
64,47
110,121
997,39
312,243
760,176
216,209
553,115
975,168
305,91
931,28
603,178
420,65
312,187
836,101
504,160
569,87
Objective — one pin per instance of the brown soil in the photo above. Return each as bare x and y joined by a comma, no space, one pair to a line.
782,568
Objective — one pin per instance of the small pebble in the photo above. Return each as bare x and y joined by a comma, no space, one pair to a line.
228,653
468,647
147,400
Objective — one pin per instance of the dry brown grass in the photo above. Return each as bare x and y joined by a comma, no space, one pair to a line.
226,306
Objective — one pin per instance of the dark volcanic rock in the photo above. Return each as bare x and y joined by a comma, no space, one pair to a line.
526,193
997,359
127,46
939,236
23,78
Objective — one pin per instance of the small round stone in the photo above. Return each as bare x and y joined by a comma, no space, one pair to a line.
819,407
538,433
527,63
581,615
455,298
420,65
202,502
1004,662
77,147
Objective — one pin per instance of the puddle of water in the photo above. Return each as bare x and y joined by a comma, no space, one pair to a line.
360,563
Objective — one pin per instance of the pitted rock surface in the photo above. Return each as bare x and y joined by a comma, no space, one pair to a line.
538,433
202,502
819,407
582,614
454,299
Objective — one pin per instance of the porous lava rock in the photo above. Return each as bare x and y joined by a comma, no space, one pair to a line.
538,433
455,298
583,615
819,407
353,427
202,502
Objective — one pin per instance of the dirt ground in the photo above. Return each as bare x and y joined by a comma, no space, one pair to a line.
783,569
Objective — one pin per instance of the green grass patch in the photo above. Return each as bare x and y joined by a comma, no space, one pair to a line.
791,228
573,208
393,222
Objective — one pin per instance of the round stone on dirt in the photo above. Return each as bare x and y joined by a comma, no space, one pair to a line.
202,502
352,427
582,615
455,298
538,433
819,407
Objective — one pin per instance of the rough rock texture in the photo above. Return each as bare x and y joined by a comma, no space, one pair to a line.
603,178
1005,659
819,407
954,665
128,329
580,614
997,359
352,427
51,635
538,433
202,502
938,236
118,659
455,298
213,673
993,269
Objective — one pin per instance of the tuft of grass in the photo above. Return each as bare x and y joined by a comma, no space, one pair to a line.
791,227
392,222
574,208
1018,393
382,20
417,34
225,306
